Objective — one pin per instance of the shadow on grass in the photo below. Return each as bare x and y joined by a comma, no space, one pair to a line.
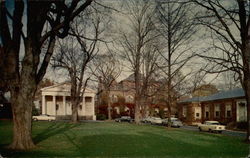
134,142
54,129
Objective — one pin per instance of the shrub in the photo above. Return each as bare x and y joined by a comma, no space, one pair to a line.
35,111
242,125
101,117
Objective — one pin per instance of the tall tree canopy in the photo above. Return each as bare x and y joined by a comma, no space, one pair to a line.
228,24
36,25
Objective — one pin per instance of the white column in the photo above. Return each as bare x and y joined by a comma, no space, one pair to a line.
93,107
64,105
83,106
54,104
44,111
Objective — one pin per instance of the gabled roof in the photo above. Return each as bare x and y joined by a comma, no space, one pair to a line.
235,93
131,77
63,87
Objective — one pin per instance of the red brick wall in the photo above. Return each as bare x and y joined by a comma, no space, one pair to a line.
222,118
234,109
190,118
223,111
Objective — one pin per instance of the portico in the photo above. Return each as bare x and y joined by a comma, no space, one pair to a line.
56,102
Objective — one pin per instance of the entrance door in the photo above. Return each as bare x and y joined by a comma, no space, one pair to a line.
241,111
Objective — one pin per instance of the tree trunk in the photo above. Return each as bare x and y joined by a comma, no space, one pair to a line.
137,110
246,85
23,90
109,105
169,114
247,93
22,102
74,96
137,114
74,118
109,110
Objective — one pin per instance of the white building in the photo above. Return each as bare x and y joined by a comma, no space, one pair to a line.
56,102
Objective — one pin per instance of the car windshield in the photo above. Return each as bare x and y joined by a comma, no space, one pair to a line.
174,119
212,123
125,117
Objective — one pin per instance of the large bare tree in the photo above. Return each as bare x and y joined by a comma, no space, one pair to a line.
31,24
77,51
177,29
140,43
107,68
228,24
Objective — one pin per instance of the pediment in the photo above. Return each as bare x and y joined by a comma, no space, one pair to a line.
63,87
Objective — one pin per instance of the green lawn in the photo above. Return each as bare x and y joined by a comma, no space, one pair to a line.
58,139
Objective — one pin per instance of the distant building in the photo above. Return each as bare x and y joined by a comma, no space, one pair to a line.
205,90
56,102
122,95
225,107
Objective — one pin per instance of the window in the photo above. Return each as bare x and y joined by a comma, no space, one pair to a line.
197,114
217,110
184,111
241,111
207,111
217,114
207,114
228,110
228,114
88,99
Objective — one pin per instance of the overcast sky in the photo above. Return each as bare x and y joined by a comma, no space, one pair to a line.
119,20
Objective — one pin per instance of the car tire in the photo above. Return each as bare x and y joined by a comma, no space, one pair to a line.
219,131
200,129
210,131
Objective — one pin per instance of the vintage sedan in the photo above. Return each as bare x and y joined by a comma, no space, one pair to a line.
147,119
175,122
43,117
156,121
124,119
211,126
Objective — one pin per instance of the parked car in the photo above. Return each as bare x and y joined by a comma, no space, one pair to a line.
124,119
211,126
43,117
147,119
175,122
156,120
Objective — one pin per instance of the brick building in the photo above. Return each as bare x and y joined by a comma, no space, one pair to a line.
122,96
225,107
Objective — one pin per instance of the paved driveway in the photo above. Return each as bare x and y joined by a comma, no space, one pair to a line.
227,132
